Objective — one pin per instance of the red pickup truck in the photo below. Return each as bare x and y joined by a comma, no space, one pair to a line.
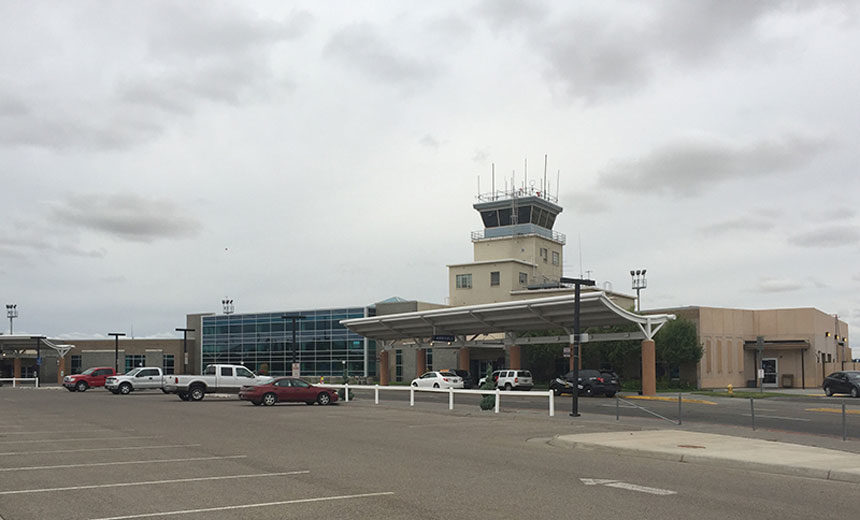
89,378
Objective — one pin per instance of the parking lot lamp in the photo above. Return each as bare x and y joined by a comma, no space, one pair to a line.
294,318
575,353
116,336
184,347
639,283
11,313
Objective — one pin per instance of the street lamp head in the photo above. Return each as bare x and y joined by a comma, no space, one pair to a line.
632,273
643,272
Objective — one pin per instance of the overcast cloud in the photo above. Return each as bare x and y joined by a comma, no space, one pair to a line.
159,156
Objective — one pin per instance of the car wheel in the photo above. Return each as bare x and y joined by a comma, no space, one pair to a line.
114,392
125,389
508,387
184,396
854,392
415,385
435,385
309,402
256,403
588,391
81,386
70,388
556,391
610,394
197,393
323,398
827,391
270,399
165,391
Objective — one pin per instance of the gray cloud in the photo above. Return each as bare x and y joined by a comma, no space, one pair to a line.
504,14
685,168
737,224
25,246
430,142
828,236
129,217
775,285
585,203
361,46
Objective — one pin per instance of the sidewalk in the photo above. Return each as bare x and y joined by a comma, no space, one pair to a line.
723,450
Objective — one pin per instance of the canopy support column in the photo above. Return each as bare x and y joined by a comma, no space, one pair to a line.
420,361
383,368
649,367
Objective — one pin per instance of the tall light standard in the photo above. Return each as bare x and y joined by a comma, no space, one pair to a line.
295,318
577,339
116,336
184,347
639,283
227,305
11,313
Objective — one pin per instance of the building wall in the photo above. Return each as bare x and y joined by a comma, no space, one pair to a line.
482,291
527,249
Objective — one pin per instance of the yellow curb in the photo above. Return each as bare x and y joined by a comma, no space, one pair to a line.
669,399
833,410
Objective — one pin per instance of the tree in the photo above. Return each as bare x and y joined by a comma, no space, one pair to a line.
677,342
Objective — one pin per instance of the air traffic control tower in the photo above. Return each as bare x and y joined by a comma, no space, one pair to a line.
516,251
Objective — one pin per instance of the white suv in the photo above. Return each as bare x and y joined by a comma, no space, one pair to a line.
514,380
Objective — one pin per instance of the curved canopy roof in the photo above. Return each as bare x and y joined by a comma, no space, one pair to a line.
596,309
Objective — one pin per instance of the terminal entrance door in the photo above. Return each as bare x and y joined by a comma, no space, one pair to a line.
770,367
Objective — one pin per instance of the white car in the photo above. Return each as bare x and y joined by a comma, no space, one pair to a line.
438,380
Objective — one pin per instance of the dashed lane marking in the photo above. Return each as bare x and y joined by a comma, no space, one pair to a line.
150,482
147,461
101,449
246,506
81,439
833,410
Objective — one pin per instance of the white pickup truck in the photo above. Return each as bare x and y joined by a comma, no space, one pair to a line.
141,378
214,379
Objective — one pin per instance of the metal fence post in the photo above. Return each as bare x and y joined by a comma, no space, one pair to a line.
411,396
450,398
679,408
844,425
752,412
617,409
376,394
551,403
498,397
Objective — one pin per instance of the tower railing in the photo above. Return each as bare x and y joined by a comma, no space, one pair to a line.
519,229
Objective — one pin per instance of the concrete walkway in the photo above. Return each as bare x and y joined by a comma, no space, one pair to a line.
723,450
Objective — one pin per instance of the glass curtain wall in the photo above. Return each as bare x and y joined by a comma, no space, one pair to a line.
263,342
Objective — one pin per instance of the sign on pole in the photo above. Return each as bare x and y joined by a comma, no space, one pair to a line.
296,370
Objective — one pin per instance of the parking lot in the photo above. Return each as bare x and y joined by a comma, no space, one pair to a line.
95,455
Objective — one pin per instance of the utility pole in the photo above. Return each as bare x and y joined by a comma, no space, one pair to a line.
116,336
575,344
184,348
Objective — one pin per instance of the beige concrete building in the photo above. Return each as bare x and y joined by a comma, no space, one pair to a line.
798,348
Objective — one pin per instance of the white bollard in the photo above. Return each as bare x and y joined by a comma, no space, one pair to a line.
411,396
450,398
346,392
13,382
498,397
37,381
551,403
376,394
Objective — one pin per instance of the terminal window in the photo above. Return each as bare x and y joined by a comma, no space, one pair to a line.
495,278
134,360
167,363
524,278
555,257
464,281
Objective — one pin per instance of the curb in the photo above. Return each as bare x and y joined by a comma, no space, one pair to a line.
761,467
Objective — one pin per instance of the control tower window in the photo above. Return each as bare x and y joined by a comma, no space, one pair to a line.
505,217
491,218
524,214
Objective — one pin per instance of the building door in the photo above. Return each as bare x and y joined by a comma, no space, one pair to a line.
770,366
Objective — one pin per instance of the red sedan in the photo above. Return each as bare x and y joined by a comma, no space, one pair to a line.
287,389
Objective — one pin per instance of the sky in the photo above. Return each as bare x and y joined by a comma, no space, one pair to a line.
157,157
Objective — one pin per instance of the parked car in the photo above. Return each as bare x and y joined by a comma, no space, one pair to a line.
847,382
435,379
89,378
494,375
287,389
468,380
591,382
142,378
215,378
514,380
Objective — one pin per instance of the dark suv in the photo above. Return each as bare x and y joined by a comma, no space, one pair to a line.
468,380
591,382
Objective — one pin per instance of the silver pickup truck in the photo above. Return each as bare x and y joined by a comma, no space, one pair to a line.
141,378
214,379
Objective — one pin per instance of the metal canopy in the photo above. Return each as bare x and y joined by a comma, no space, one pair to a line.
596,309
21,343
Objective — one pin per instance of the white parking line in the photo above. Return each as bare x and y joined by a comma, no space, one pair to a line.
101,449
245,506
777,417
81,439
149,482
53,431
147,461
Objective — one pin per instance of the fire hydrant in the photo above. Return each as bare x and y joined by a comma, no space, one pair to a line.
731,389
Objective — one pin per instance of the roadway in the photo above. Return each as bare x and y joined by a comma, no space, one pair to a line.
97,456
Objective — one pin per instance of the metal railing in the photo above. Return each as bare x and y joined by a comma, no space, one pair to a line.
16,380
450,391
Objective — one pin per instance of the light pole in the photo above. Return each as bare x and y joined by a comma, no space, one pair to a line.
577,283
639,283
227,305
184,348
116,336
295,318
38,354
11,313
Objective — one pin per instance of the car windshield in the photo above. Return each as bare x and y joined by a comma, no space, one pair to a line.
132,372
853,375
87,371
